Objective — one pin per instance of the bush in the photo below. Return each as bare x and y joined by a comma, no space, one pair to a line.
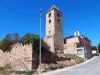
50,67
8,41
35,41
60,66
5,45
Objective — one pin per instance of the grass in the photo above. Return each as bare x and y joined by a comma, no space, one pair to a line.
25,72
30,72
74,56
20,72
8,72
2,68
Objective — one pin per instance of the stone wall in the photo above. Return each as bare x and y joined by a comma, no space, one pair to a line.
23,58
20,57
50,41
51,59
70,48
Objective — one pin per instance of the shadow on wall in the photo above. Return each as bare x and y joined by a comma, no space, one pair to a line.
49,59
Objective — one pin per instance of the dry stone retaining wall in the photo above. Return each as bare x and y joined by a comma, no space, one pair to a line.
20,57
23,58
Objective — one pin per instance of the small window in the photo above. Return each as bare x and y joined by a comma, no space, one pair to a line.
50,21
58,15
58,20
80,52
49,15
49,32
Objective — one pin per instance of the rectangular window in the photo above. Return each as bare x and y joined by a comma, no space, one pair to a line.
58,20
50,21
49,15
49,32
80,52
58,15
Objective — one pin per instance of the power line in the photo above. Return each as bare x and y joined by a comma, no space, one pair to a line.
16,11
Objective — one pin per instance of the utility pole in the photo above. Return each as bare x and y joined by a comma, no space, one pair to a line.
40,68
85,51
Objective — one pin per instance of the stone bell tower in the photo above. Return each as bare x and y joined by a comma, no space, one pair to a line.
54,30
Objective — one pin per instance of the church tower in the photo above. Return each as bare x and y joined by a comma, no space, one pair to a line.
54,30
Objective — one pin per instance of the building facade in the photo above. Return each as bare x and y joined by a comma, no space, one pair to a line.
54,30
78,45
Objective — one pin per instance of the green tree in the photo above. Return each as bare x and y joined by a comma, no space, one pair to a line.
8,41
35,41
93,47
99,47
5,45
13,38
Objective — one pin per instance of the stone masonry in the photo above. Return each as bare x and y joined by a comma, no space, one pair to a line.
20,57
54,30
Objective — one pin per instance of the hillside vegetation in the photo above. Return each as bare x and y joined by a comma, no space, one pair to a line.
7,43
73,56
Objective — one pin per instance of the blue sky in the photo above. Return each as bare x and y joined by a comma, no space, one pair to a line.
82,15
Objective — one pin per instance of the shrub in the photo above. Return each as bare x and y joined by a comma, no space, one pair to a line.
50,67
5,45
9,40
35,41
60,66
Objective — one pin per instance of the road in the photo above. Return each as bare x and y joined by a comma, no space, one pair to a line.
90,67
